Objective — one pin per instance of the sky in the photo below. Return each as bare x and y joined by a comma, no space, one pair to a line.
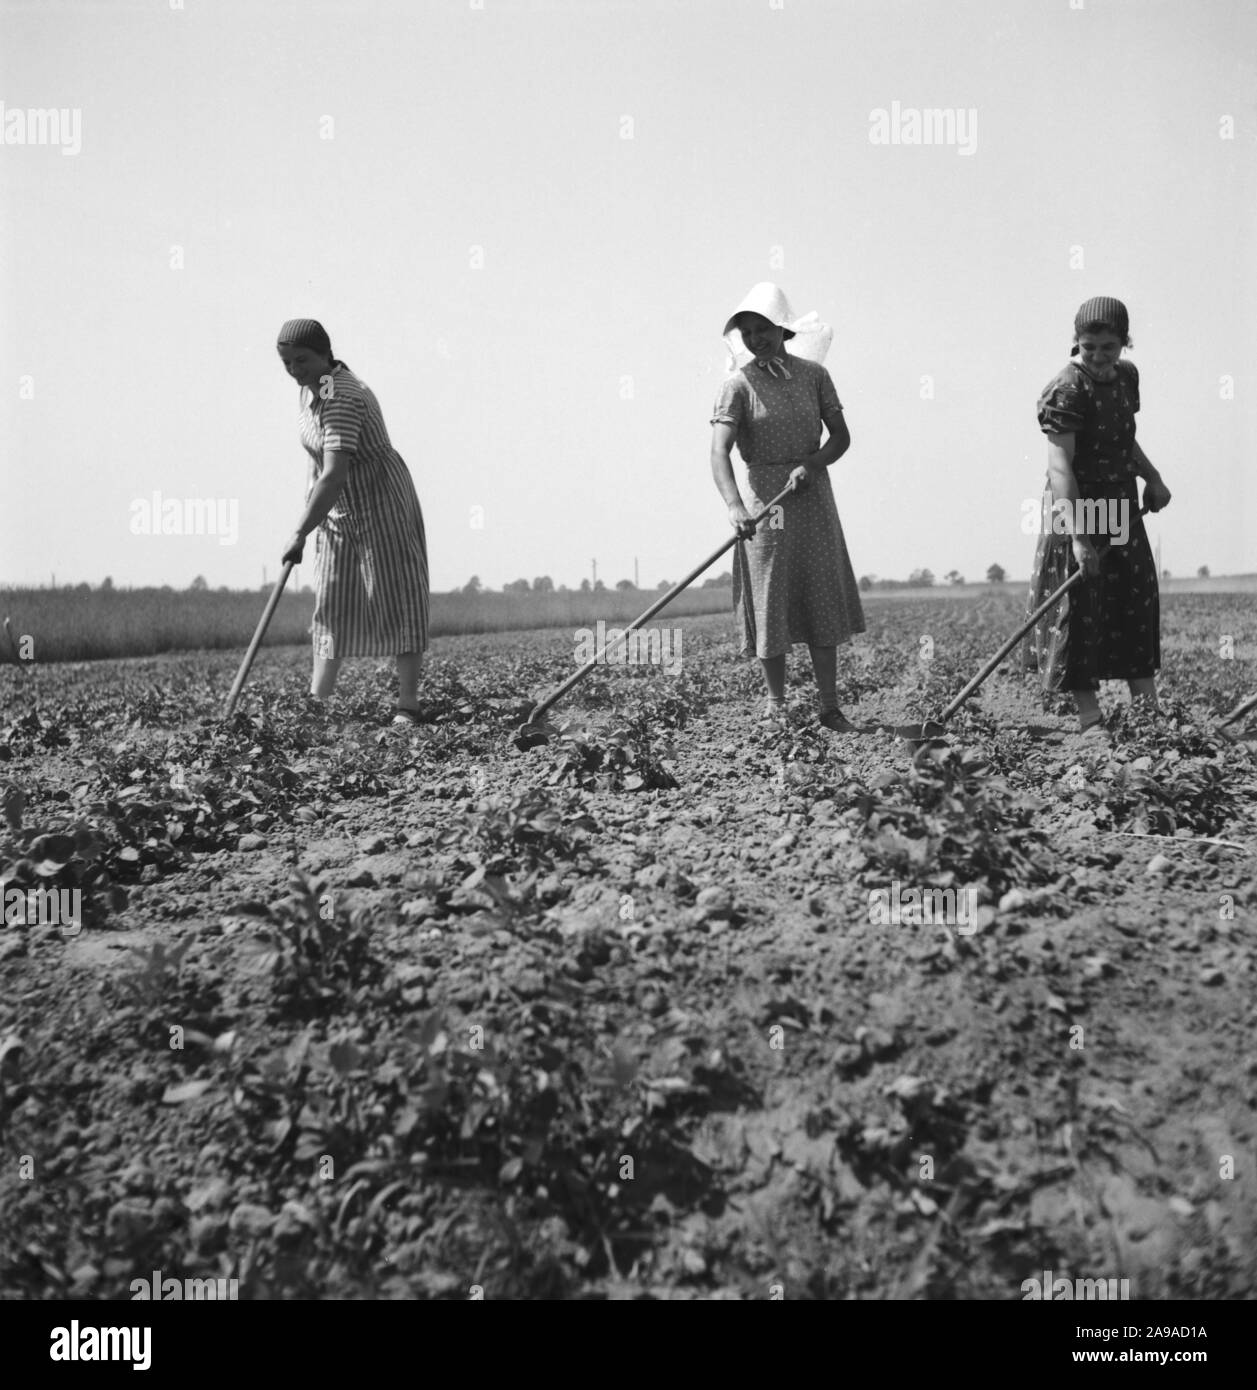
524,224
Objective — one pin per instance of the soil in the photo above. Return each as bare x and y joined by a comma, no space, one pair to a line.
701,1070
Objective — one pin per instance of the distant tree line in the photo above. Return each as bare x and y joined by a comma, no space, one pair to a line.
545,585
924,579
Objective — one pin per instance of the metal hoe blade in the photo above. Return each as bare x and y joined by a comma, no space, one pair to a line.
933,728
535,730
929,732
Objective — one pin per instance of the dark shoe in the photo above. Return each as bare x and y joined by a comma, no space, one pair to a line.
837,722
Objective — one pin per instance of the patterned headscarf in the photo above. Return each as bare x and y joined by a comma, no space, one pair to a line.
1105,310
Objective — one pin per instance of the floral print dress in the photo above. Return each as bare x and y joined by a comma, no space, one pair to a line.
1107,628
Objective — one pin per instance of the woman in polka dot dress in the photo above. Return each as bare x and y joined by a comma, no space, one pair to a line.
1108,627
792,581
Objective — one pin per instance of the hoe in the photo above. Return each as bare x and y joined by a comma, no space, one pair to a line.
933,728
243,674
537,730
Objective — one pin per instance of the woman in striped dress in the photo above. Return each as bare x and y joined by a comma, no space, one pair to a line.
371,555
792,582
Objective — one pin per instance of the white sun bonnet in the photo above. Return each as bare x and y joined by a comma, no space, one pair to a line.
812,335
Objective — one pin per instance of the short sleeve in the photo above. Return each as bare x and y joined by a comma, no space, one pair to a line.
829,401
730,407
1133,373
1061,409
341,419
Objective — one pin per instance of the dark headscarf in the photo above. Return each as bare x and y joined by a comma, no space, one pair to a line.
1105,311
307,333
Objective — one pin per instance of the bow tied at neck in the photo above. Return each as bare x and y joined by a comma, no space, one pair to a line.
774,366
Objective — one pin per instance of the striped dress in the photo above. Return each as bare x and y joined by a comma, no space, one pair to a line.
792,581
371,554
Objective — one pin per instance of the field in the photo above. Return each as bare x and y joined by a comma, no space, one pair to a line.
649,1010
83,624
94,624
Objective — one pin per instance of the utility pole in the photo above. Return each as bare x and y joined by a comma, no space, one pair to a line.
595,565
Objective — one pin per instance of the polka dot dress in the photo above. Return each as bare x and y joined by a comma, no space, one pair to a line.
1107,628
792,582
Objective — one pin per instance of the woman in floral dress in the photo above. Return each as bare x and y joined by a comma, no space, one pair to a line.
1108,627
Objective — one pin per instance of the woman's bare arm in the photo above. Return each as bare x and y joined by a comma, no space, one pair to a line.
837,443
1064,486
722,437
323,497
1156,494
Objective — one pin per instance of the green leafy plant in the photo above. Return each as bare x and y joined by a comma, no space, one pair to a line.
626,757
948,816
78,856
154,977
312,955
529,831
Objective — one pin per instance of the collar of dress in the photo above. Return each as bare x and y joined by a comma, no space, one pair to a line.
774,366
1099,381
